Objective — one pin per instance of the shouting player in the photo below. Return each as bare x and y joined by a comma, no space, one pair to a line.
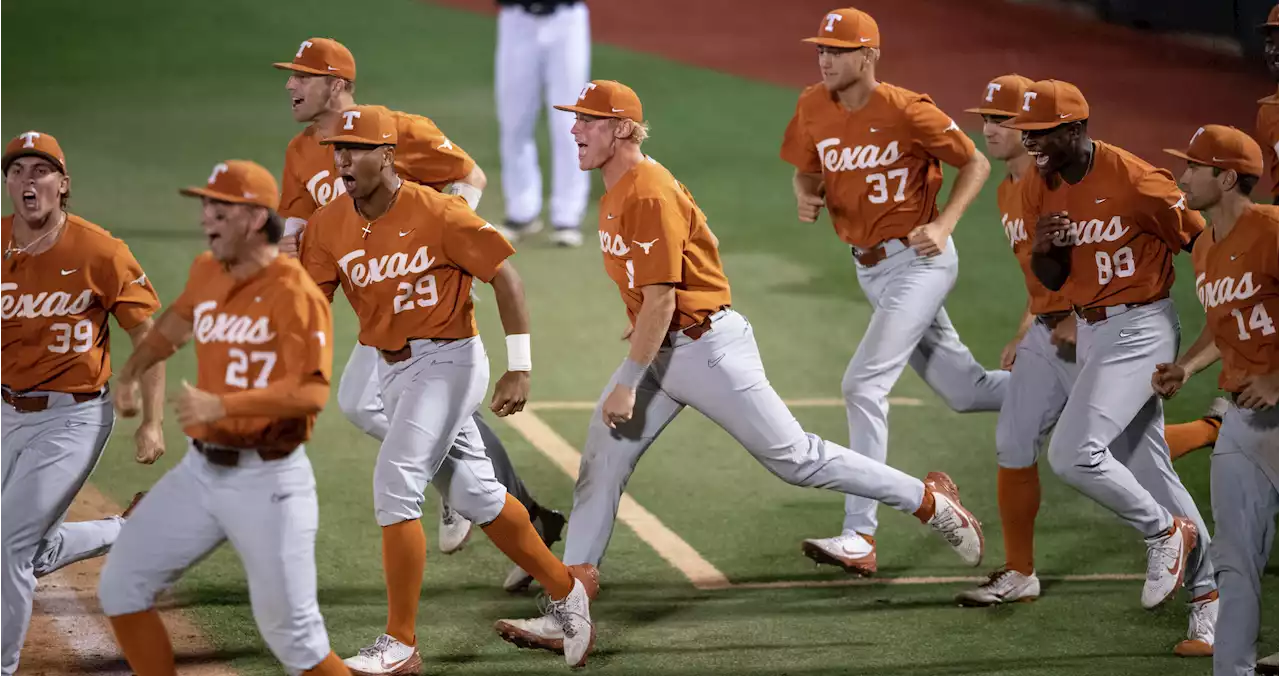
264,351
689,348
1236,280
62,277
872,154
1107,225
406,257
322,85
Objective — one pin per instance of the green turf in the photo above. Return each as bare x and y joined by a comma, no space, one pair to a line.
147,97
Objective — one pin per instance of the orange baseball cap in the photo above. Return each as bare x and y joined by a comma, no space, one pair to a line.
34,143
1003,96
1214,145
1047,104
607,98
239,182
1273,19
365,126
322,56
848,28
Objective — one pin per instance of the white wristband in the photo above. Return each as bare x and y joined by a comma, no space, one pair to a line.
294,225
519,355
468,192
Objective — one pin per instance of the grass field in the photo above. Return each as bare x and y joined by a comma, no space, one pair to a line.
145,99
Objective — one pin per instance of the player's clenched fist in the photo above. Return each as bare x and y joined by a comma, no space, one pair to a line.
148,442
289,245
618,406
1168,379
510,394
1048,227
125,394
808,205
197,406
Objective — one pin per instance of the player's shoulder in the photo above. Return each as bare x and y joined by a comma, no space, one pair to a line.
333,210
1126,167
91,237
901,97
412,127
204,266
1273,100
293,279
653,181
1264,219
301,142
815,98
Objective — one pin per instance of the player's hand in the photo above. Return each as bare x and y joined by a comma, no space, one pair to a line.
289,245
626,333
149,440
1168,379
1063,337
929,239
1010,353
618,406
808,206
1259,392
197,406
510,394
125,397
1048,227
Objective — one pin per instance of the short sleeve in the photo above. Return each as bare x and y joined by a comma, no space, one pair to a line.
295,201
425,155
798,147
307,323
937,134
659,232
1162,211
128,294
317,261
471,243
185,305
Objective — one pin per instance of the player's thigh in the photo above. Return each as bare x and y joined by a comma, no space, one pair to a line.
359,384
610,454
904,309
1032,403
168,531
1243,490
467,478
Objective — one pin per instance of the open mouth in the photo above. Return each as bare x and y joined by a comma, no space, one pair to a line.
348,181
296,101
582,149
1041,159
29,199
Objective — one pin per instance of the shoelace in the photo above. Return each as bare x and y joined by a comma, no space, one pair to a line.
1162,557
947,524
1200,622
380,645
559,610
1000,579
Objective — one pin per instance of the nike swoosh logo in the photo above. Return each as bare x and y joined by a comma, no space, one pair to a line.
1235,256
1100,201
711,363
386,136
874,130
1177,562
617,110
610,217
1218,160
864,39
280,497
331,68
140,280
1128,334
402,234
488,226
1064,116
250,195
67,272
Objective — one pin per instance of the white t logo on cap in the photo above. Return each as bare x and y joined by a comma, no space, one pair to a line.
219,168
351,115
29,138
302,48
1027,99
583,93
1195,136
832,18
992,88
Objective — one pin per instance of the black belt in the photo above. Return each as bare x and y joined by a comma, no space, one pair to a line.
227,456
542,7
1053,319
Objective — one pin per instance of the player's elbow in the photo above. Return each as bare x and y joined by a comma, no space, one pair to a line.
477,178
978,166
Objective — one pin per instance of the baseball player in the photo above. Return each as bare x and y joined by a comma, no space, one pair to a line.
1267,132
690,348
543,55
322,84
1042,360
62,277
872,154
1236,280
264,354
406,257
1107,225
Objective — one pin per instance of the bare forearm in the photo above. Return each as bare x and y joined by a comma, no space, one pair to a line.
808,184
968,184
652,324
508,291
152,373
1052,269
1201,355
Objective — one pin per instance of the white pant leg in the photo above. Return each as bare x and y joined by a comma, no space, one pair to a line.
950,370
1036,393
270,514
518,91
360,392
567,67
906,292
468,479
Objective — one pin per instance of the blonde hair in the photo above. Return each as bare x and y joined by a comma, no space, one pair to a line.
639,130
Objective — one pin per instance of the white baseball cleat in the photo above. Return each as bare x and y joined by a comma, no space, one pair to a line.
385,656
569,238
517,580
1200,626
1003,586
454,529
957,525
1269,664
565,627
1167,562
853,551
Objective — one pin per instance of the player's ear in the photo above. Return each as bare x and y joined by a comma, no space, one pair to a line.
1227,179
622,128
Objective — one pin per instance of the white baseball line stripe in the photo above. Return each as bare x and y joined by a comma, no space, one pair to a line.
794,403
680,554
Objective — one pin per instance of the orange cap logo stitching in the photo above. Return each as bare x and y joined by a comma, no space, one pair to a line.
832,18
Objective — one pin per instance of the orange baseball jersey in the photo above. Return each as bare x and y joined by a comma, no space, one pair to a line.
881,165
407,274
652,232
55,308
1009,200
1237,285
423,155
1128,219
1268,136
257,341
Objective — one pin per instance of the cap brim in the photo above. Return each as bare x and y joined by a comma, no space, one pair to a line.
843,44
355,141
1182,155
8,159
588,111
991,111
221,197
286,65
1037,126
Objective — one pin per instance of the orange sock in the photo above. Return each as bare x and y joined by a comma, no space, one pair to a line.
1018,492
515,535
404,559
145,643
1189,436
330,666
925,512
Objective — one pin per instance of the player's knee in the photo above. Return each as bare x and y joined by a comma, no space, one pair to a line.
122,590
1014,449
863,391
298,639
960,400
1068,458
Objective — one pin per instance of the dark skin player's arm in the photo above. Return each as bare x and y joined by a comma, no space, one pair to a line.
1051,264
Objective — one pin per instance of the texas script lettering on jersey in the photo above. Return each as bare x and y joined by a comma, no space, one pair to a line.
1094,231
388,266
228,328
1015,229
1225,290
870,156
322,191
43,304
614,244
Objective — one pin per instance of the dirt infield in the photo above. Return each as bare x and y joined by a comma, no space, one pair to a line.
1147,91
